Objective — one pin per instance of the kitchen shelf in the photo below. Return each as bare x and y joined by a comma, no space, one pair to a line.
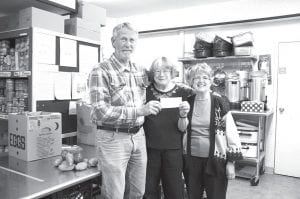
265,113
230,63
15,74
3,116
228,58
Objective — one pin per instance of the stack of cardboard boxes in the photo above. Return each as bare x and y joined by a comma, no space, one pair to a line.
32,17
87,22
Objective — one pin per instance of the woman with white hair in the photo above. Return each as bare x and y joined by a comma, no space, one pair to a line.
212,139
163,138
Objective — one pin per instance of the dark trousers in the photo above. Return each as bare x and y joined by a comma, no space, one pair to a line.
164,166
198,180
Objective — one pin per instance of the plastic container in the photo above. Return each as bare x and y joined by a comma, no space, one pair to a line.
243,39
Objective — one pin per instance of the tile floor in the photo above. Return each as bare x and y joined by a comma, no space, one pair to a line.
270,187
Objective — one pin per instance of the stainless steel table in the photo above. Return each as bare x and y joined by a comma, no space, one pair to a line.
37,179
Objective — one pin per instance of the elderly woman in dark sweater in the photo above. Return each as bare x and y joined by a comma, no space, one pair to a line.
163,138
212,139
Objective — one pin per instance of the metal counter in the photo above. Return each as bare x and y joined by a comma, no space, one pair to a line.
36,179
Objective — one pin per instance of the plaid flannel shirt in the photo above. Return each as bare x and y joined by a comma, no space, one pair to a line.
116,92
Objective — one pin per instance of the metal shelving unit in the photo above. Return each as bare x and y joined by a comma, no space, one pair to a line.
253,164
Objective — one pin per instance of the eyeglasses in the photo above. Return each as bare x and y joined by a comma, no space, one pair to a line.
202,77
165,71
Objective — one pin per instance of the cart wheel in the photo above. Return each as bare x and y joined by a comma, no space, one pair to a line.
254,181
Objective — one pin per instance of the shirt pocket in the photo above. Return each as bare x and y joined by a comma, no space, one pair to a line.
116,85
142,81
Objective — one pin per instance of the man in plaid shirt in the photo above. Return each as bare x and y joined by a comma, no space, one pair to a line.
117,93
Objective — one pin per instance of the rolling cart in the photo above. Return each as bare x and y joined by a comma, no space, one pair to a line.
252,132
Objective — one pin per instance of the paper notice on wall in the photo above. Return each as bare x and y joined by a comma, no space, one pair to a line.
46,67
43,83
68,53
88,57
72,108
44,48
62,85
79,85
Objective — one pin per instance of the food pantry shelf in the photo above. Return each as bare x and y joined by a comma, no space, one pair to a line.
3,116
17,74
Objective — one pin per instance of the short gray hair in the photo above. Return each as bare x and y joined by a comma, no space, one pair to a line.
118,28
196,70
158,63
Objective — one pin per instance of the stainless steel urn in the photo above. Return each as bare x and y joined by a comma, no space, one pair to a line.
258,81
232,87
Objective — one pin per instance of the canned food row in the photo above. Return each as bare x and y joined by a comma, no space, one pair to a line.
11,84
10,108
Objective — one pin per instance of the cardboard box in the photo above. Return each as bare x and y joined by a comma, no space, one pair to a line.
249,150
10,22
34,17
35,135
83,28
86,130
248,136
90,12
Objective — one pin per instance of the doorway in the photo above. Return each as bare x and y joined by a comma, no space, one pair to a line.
287,148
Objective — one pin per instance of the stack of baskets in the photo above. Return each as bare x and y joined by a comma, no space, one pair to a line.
202,49
221,47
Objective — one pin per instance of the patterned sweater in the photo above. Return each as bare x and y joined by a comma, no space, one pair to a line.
225,144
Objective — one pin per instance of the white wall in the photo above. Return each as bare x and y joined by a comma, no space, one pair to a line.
267,35
215,13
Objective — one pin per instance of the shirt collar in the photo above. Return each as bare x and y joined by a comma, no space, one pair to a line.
121,67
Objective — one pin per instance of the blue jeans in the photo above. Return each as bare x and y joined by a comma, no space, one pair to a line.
123,161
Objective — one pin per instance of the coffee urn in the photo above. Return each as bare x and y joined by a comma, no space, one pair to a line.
244,91
258,81
232,89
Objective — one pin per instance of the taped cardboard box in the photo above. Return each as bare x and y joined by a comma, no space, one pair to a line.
10,22
90,12
86,130
83,28
35,135
34,17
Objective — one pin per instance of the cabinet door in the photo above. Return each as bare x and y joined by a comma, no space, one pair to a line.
288,114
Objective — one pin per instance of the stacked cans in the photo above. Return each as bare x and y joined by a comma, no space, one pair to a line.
21,95
13,95
7,56
9,93
22,52
2,96
4,50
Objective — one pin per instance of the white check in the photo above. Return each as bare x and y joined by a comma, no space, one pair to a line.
170,102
